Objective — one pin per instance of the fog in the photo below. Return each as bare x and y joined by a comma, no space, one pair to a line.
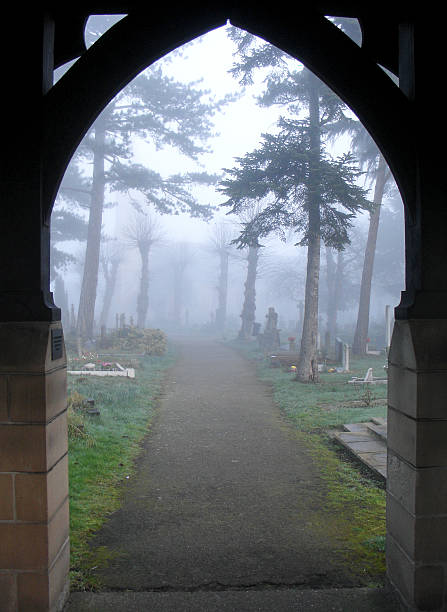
184,265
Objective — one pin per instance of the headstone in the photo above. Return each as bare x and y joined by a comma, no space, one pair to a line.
339,350
327,343
345,357
270,337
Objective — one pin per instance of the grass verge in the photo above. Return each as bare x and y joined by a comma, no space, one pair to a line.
104,457
353,512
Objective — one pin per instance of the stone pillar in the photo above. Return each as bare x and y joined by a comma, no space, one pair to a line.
34,549
417,463
388,327
34,523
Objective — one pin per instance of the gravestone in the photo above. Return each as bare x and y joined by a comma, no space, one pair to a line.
327,343
346,353
256,329
269,340
339,350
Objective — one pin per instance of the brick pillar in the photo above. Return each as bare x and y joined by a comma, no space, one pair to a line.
417,463
34,545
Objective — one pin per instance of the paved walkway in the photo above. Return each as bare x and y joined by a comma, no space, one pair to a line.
220,504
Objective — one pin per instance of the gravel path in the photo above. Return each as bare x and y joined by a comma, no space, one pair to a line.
223,490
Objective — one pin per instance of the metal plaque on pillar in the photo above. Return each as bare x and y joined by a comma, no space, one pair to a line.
57,344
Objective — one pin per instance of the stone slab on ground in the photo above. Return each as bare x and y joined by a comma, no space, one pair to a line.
378,430
367,443
354,427
286,600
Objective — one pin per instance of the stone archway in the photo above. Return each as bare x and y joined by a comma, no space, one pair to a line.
33,476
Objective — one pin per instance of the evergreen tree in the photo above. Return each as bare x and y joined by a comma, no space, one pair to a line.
68,221
309,191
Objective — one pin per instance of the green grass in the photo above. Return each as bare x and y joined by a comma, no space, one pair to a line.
332,401
353,511
127,407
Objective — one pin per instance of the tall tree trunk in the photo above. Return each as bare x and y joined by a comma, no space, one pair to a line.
249,307
87,299
334,297
221,312
330,283
308,365
361,330
143,296
110,278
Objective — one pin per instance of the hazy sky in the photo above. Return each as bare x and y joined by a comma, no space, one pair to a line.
239,126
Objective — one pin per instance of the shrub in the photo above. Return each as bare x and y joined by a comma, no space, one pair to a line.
132,339
76,419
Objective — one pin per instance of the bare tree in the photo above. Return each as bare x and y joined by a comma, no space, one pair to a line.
143,233
220,244
110,259
181,255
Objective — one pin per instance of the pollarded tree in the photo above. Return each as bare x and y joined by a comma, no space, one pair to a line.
180,258
143,233
220,244
309,192
111,257
248,313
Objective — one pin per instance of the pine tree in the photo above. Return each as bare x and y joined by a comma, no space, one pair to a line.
308,190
